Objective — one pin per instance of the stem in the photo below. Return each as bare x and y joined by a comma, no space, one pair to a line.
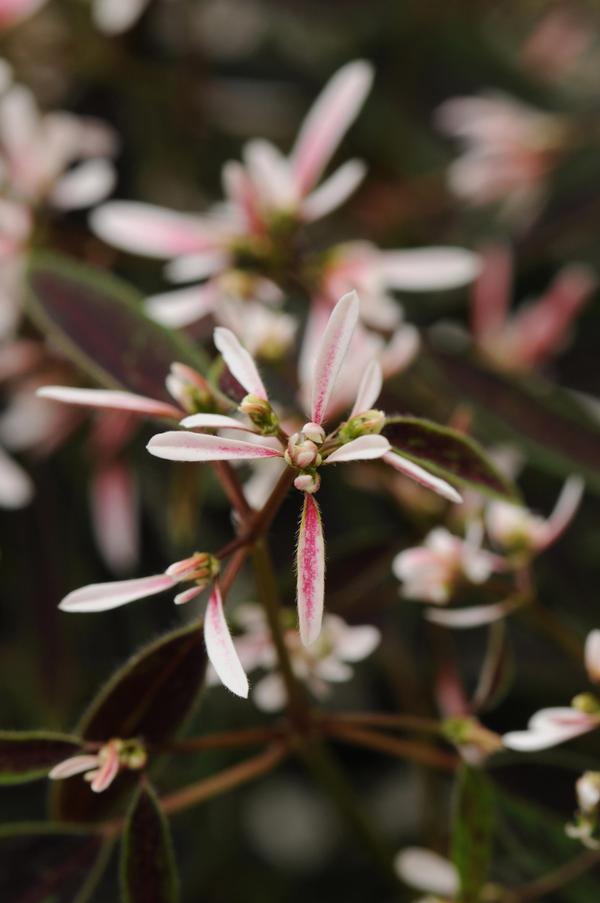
224,740
405,749
556,879
233,569
383,719
232,488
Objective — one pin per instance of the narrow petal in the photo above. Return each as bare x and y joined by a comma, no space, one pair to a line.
548,728
108,771
214,422
492,292
104,596
564,510
182,307
187,595
364,448
334,191
426,870
113,400
85,185
369,388
473,616
422,476
429,269
592,655
220,647
152,231
328,120
116,16
239,362
332,351
182,446
310,565
115,515
192,267
270,174
72,766
16,487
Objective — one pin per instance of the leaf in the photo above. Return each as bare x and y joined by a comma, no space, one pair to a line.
101,326
472,834
448,454
28,755
148,872
148,697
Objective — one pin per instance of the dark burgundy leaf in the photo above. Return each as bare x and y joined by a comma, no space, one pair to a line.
147,868
25,756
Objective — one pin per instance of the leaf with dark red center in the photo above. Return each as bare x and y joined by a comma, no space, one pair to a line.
100,324
447,454
27,755
148,872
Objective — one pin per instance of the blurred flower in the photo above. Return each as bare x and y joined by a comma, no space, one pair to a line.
14,11
100,769
428,871
558,42
509,150
585,824
116,16
539,329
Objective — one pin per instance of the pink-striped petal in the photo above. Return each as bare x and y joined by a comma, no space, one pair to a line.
115,515
310,565
182,446
108,771
328,120
153,231
428,269
365,448
74,765
243,195
239,362
334,191
332,351
104,596
491,292
187,595
422,476
182,307
549,727
592,655
369,389
220,647
113,400
214,422
270,174
474,616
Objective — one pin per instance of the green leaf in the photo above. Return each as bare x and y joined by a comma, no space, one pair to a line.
448,454
148,872
100,324
149,697
28,755
472,834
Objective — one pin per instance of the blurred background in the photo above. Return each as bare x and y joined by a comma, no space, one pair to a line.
183,88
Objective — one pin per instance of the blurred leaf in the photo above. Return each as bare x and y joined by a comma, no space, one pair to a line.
447,453
497,669
101,326
472,832
27,755
43,862
148,873
149,697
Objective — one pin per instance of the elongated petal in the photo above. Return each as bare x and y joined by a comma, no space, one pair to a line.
310,564
16,487
239,362
115,16
270,174
364,448
74,765
328,120
182,446
332,351
115,515
220,647
427,871
187,595
191,267
333,191
592,655
214,422
113,400
564,510
108,771
491,292
422,476
548,728
369,388
183,306
152,231
429,269
474,616
104,596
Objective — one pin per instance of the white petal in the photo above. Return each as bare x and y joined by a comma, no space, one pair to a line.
115,515
592,655
548,728
239,362
427,871
104,596
334,191
197,266
332,351
114,16
369,389
74,765
364,448
270,175
182,446
16,487
564,510
187,595
474,616
182,307
106,398
310,565
86,184
429,269
153,231
214,422
220,647
422,476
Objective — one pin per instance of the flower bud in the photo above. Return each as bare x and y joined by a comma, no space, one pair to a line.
474,741
314,432
586,703
201,568
189,389
302,452
362,425
260,413
308,482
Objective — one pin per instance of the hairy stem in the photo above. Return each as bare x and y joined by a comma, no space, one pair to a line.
405,749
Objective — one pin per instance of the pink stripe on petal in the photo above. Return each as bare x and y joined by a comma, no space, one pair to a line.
106,398
328,120
214,422
332,351
107,772
74,765
239,362
153,231
104,596
364,448
220,648
369,389
422,476
310,565
187,595
183,446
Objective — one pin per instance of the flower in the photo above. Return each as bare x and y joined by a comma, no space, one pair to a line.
427,871
101,768
14,11
116,16
305,451
325,662
585,825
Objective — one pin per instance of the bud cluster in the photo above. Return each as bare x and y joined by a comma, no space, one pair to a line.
261,414
200,568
